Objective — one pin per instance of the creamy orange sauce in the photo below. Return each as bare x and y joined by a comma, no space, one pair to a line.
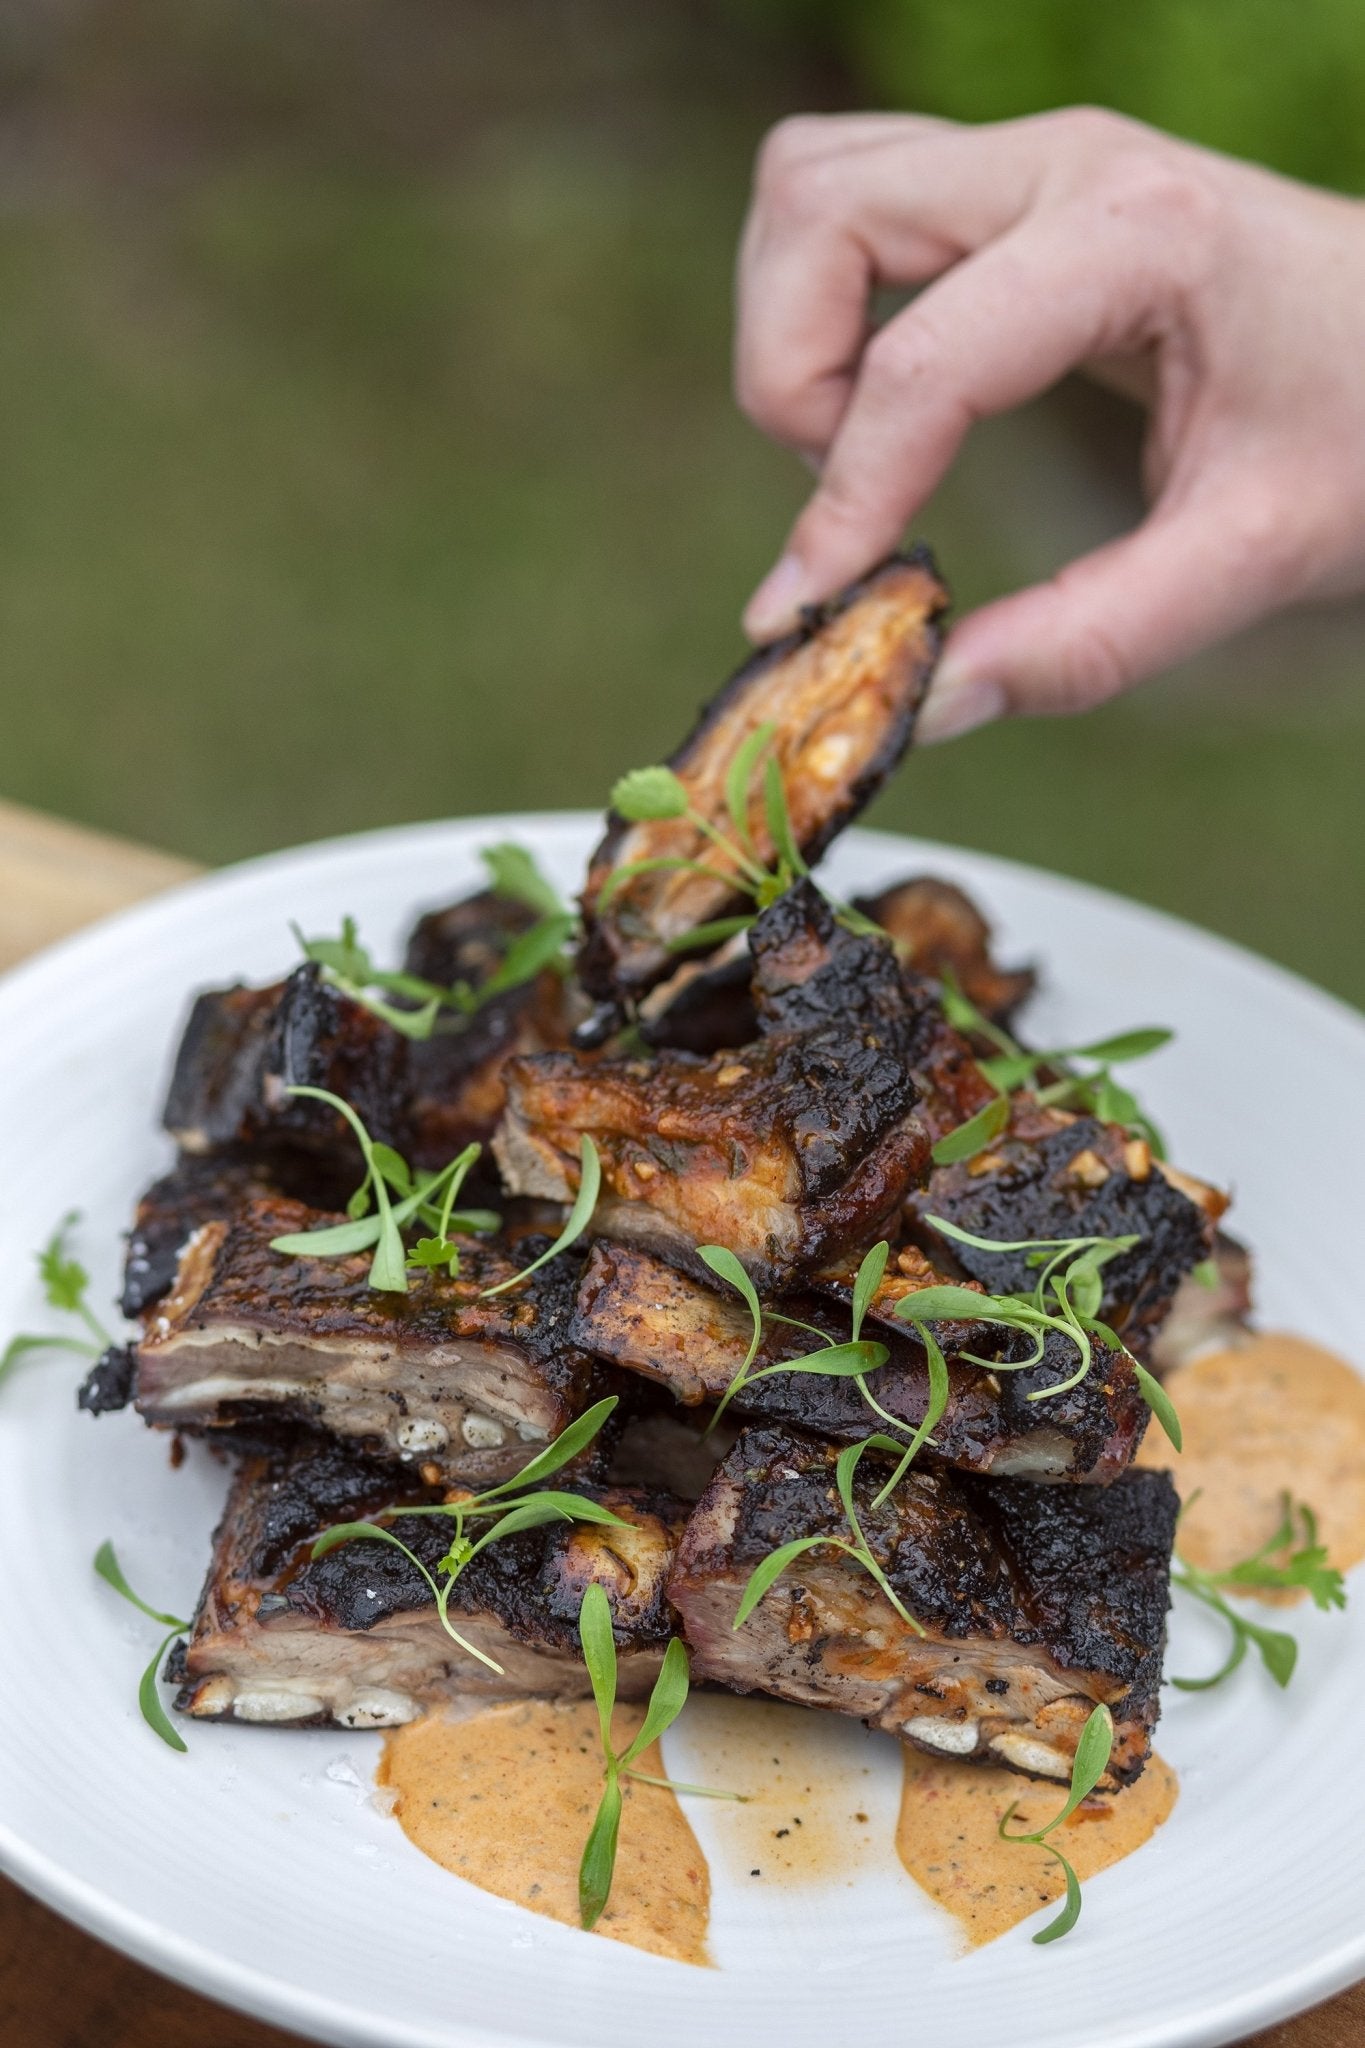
505,1797
948,1837
805,1778
1274,1414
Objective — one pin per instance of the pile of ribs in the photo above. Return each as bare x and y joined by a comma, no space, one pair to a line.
779,1094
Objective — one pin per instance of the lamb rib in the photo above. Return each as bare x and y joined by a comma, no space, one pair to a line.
435,1376
1038,1602
640,1314
791,1152
354,1636
843,693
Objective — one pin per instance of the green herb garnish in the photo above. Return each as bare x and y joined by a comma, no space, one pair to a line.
1011,1067
1293,1557
577,1221
510,1515
653,795
666,1702
853,1360
513,873
427,1199
1091,1761
148,1698
65,1287
348,966
765,1574
1066,1299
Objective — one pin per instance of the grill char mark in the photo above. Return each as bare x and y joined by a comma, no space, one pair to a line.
242,1048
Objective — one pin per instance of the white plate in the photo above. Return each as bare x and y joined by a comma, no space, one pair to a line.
254,1868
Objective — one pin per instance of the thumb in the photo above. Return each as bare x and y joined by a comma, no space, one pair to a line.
1183,579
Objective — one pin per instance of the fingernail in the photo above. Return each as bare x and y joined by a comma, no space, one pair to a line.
953,708
774,606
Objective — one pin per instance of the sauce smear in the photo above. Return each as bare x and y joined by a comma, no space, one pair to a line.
948,1837
505,1798
1274,1414
806,1781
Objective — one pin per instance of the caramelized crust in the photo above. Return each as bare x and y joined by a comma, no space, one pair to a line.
843,693
791,1153
435,1376
637,1313
1037,1602
1054,1174
354,1636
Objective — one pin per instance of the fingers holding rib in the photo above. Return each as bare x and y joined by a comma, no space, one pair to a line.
1185,578
842,205
997,329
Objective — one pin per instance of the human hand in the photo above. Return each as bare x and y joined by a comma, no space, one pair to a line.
1232,299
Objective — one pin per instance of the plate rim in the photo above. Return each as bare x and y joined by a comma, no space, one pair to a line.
274,1999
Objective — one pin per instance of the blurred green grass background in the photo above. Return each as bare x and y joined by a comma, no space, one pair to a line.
367,452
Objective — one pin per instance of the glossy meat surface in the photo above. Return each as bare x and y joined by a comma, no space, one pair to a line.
790,1152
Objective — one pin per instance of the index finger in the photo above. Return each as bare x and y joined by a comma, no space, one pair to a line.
890,200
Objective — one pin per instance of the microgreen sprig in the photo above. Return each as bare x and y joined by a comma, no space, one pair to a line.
1066,1299
1293,1558
510,1515
853,1360
148,1698
666,1702
576,1222
385,1169
428,1199
655,795
348,966
766,1574
1088,1767
65,1287
1012,1067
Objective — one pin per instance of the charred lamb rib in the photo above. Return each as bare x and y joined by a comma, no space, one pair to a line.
1037,1603
455,1077
843,693
792,1152
937,930
638,1313
244,1048
1053,1174
435,1376
354,1635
